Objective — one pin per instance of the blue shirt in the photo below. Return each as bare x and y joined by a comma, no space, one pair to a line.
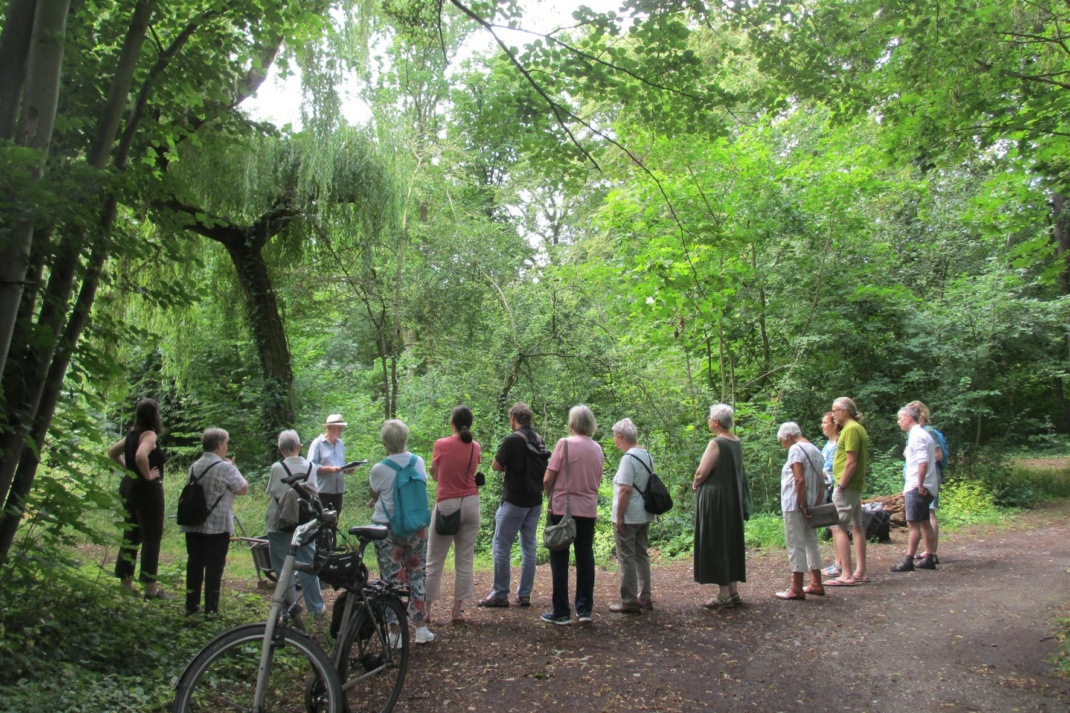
829,452
321,452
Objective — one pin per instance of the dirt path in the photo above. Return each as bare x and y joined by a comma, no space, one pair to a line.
972,636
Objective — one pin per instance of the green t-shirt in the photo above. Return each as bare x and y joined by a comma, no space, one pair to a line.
853,439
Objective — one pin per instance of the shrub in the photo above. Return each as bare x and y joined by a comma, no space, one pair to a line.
963,501
765,531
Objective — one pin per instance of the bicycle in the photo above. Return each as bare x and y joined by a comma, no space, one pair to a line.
273,666
371,656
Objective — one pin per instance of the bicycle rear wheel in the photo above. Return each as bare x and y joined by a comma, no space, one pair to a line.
222,677
375,655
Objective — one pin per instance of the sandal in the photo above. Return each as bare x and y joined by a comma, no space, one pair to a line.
816,591
833,571
790,595
720,602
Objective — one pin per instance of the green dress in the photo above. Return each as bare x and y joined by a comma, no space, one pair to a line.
720,555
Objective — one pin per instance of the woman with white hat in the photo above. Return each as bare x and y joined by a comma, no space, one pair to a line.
329,454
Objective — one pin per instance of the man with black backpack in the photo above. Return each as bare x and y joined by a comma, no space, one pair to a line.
522,456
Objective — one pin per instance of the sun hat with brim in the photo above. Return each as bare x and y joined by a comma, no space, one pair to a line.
335,419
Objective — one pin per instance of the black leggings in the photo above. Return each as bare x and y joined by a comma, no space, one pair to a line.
143,527
206,558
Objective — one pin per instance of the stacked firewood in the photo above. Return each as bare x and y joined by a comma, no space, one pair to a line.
896,507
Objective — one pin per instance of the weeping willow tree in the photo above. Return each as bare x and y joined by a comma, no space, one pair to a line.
127,106
272,205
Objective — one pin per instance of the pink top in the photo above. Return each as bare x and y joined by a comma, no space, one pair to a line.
450,462
580,478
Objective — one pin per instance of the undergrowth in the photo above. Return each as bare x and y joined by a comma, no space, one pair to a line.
95,648
1061,659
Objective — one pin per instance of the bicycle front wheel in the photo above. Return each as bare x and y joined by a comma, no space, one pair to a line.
375,655
222,677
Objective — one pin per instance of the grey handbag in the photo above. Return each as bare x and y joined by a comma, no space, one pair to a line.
563,534
823,516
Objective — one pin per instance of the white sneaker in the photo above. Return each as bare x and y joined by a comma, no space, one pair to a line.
424,635
394,640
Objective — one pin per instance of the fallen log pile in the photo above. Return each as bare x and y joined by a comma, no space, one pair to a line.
896,507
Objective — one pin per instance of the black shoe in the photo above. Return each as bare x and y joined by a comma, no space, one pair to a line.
907,565
927,563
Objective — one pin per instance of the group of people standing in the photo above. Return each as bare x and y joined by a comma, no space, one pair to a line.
568,477
809,478
837,473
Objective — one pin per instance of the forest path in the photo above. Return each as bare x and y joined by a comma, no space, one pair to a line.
975,635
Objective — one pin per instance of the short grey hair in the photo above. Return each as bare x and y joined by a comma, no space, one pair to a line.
289,441
722,414
911,411
581,420
212,438
626,430
788,430
395,436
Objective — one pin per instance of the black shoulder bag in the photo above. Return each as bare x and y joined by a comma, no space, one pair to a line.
451,524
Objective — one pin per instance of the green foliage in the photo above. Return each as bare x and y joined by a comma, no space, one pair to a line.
765,531
67,647
966,502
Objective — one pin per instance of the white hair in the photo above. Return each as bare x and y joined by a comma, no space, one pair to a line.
289,441
722,414
626,430
788,430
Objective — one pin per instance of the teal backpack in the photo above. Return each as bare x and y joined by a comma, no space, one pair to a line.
411,512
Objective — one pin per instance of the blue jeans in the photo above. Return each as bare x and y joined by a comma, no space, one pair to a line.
584,548
278,543
510,520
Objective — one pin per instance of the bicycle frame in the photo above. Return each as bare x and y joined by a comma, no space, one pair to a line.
302,534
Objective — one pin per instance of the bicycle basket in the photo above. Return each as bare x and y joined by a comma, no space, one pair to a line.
344,569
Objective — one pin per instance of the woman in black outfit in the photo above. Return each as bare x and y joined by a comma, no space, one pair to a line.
142,494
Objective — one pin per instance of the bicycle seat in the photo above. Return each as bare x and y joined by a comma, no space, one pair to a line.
370,532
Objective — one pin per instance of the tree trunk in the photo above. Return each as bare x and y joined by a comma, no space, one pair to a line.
36,120
269,334
33,386
1061,230
29,457
14,56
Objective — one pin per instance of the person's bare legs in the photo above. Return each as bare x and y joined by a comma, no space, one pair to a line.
842,544
913,538
860,553
926,531
935,524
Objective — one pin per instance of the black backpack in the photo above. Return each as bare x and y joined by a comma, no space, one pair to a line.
537,460
193,507
656,499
